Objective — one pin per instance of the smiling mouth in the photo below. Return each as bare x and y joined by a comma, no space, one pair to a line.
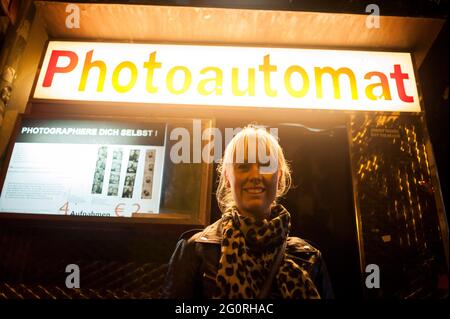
254,190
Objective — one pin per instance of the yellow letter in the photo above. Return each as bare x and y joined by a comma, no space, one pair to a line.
267,68
115,78
151,65
287,81
88,64
251,82
186,83
335,75
218,79
386,92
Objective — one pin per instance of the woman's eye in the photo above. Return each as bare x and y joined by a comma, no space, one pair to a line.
243,166
264,164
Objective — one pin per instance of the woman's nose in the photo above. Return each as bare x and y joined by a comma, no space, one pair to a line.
254,173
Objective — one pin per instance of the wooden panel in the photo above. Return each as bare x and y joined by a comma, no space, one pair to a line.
241,26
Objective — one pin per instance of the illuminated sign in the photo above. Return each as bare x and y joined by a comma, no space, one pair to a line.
228,76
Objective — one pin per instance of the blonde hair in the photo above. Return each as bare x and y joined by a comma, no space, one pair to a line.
224,196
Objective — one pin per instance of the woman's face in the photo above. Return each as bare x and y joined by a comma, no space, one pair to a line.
253,192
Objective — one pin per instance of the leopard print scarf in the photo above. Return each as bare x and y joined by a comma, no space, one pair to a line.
249,248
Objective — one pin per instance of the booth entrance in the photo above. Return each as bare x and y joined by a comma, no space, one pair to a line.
321,199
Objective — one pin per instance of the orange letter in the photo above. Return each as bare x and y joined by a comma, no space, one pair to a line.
52,68
386,92
88,64
335,76
266,68
186,83
218,80
251,82
115,77
151,65
287,81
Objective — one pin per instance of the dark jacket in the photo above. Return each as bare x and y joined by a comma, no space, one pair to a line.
193,265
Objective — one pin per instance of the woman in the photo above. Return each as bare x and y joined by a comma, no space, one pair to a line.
248,253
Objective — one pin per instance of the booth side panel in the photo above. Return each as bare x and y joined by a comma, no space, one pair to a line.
399,217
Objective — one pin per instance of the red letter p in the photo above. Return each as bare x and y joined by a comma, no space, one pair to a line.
52,68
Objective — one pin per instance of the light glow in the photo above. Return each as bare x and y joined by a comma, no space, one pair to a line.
228,76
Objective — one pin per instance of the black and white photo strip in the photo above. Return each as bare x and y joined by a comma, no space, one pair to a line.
130,176
114,177
147,184
97,184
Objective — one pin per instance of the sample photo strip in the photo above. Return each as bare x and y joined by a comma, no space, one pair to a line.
114,177
147,184
97,184
130,177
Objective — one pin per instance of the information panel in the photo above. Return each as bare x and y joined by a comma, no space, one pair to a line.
85,168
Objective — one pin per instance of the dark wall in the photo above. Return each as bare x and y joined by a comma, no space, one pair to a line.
433,76
115,260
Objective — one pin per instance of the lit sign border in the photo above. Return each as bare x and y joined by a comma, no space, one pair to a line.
283,78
